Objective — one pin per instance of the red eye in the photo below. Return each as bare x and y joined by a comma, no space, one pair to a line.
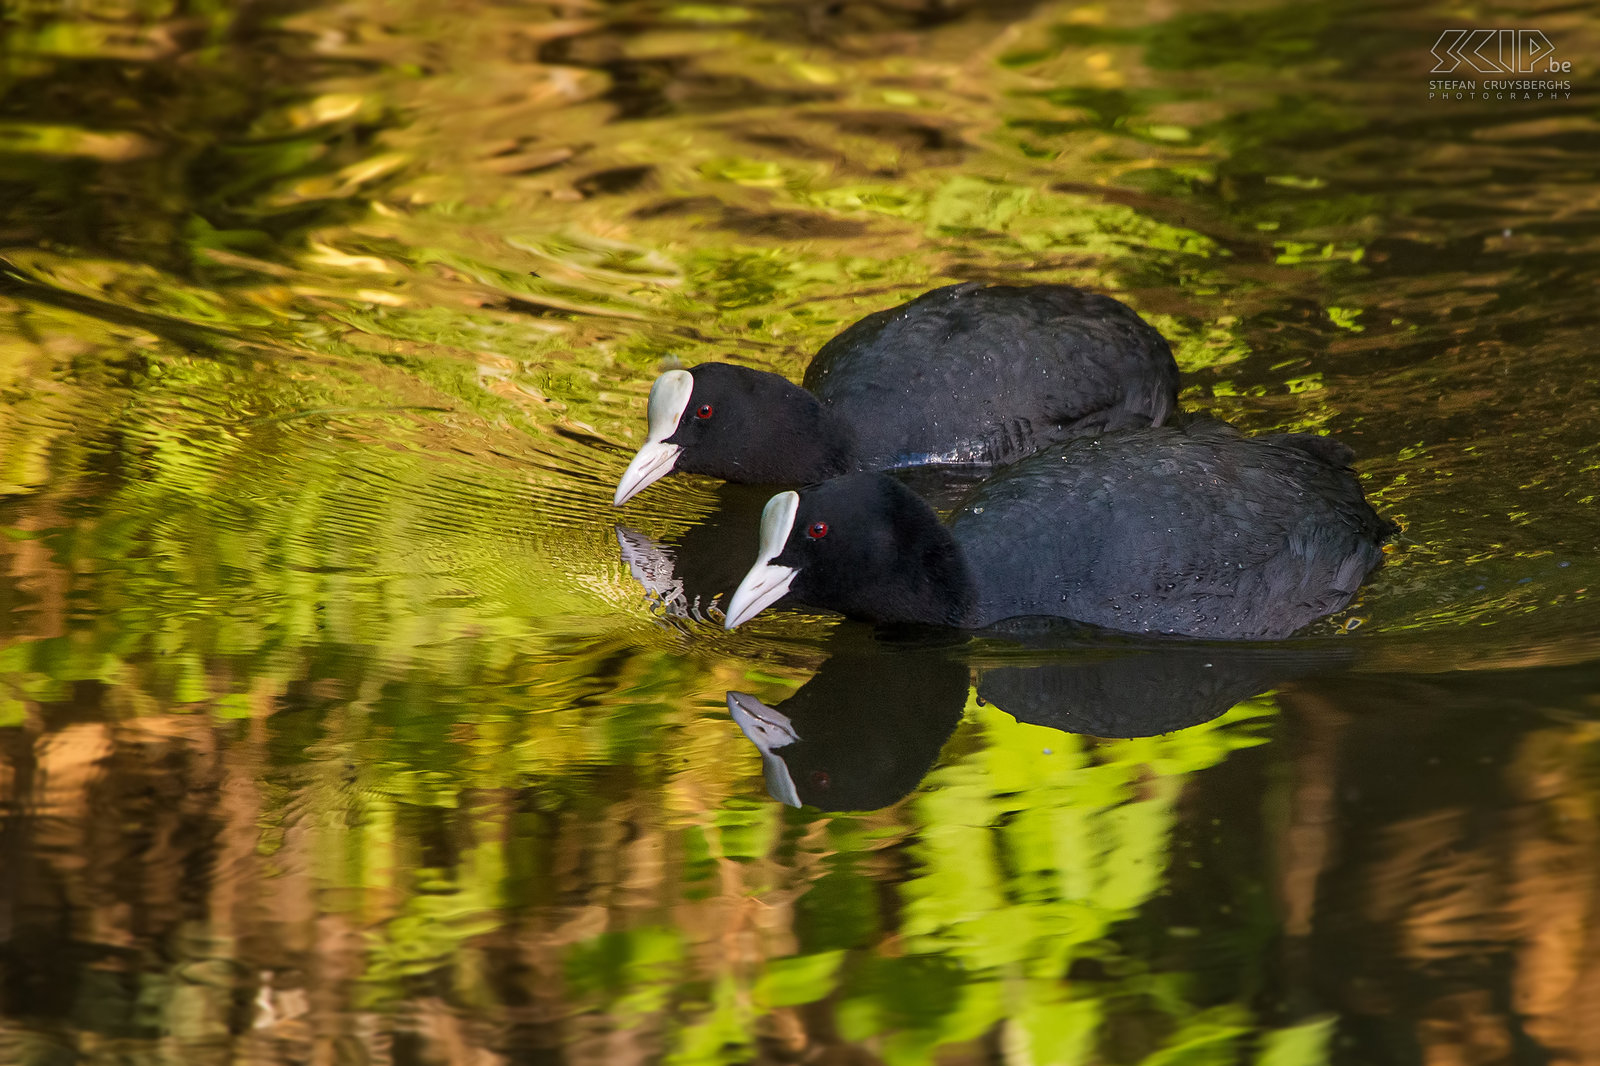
818,530
821,779
704,411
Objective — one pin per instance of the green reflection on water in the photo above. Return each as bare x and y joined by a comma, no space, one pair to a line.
332,722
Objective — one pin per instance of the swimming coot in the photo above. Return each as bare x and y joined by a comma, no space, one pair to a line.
962,374
1196,531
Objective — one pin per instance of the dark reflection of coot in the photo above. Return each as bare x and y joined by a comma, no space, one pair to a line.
861,733
1070,678
690,575
868,726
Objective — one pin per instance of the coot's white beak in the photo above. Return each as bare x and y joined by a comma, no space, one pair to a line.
766,583
668,397
769,730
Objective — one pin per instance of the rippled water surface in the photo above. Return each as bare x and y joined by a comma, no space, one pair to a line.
343,720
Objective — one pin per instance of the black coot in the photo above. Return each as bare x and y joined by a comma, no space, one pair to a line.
962,374
1195,531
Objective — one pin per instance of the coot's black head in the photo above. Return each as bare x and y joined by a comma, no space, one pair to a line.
863,545
737,424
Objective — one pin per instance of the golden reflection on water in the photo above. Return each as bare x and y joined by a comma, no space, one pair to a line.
332,728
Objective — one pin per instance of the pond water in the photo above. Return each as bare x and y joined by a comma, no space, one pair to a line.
336,726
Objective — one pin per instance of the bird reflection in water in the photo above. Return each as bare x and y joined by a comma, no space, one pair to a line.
866,729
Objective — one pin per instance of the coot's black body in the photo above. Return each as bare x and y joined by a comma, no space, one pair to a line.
962,374
1195,531
967,374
